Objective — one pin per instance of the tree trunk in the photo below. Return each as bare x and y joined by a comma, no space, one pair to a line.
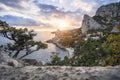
23,56
27,54
16,54
10,54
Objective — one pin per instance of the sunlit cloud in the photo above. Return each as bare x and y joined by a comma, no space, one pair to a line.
60,1
85,6
48,14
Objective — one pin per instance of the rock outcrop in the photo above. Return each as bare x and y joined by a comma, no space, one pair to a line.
59,73
109,14
111,10
8,72
6,60
106,16
89,23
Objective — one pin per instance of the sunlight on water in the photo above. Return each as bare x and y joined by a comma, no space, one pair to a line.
45,54
42,54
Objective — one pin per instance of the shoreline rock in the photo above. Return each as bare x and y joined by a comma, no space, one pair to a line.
53,41
56,43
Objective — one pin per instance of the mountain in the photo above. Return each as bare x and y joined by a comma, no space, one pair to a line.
89,23
109,13
106,15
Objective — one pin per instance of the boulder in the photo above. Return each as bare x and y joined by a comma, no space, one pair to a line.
7,60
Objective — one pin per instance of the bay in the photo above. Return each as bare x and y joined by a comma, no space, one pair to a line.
42,54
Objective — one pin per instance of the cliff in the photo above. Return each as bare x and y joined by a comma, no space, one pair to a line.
107,16
89,23
110,10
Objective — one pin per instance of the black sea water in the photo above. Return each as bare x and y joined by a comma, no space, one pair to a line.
42,54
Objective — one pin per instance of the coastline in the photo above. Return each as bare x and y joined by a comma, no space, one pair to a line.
55,42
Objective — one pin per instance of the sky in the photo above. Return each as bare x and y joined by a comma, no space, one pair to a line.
48,14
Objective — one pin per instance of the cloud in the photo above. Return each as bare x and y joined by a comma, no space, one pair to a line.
33,13
1,9
27,10
11,3
85,6
18,21
47,13
107,1
47,8
60,1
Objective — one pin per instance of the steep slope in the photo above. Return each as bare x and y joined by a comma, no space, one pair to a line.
110,10
108,14
89,24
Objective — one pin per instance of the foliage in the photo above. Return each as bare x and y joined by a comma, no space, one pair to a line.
102,52
55,61
112,60
89,53
118,27
113,43
69,38
23,40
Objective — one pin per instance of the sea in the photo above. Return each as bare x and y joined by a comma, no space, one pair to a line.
42,54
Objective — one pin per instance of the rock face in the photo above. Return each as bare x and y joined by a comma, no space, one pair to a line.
106,15
111,10
109,14
6,60
90,24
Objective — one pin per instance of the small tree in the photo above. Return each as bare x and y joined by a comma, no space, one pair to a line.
22,38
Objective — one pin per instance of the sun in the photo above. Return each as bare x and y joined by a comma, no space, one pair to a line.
63,25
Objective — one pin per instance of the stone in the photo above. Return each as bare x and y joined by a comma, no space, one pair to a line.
30,61
89,23
5,59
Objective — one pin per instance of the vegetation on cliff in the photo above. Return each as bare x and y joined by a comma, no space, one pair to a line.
104,51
